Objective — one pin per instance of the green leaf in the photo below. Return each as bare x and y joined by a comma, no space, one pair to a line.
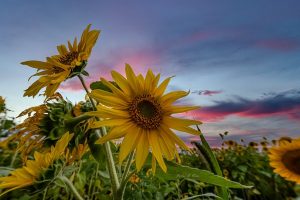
97,150
243,168
176,172
4,171
203,195
100,85
214,163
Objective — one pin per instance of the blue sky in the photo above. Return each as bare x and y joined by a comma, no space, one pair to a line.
240,60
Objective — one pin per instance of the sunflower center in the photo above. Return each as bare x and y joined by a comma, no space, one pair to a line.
146,112
68,58
291,160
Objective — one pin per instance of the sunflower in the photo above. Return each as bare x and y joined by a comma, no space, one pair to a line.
220,158
264,143
285,139
225,172
252,144
31,172
230,143
28,133
285,159
138,110
239,148
68,63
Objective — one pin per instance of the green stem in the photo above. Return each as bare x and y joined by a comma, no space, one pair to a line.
125,176
75,120
110,161
45,194
13,159
71,186
127,167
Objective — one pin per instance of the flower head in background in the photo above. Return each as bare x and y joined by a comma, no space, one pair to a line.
2,104
285,159
33,169
139,110
68,63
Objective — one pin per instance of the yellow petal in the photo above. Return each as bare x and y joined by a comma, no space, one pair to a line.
174,137
162,87
119,93
37,64
131,77
171,97
115,133
156,151
122,82
142,150
179,109
129,143
108,98
62,49
109,122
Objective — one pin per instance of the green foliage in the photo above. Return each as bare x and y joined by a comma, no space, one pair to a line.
249,165
99,85
201,176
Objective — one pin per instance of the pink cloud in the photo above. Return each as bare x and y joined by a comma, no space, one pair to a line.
282,105
140,60
278,44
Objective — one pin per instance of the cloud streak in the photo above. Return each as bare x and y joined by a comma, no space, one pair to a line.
283,104
207,92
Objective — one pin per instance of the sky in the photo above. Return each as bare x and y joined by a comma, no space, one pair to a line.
240,60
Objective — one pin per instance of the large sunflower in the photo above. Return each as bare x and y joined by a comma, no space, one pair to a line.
30,173
68,63
285,158
139,111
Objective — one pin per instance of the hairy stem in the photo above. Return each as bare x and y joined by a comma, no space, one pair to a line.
110,160
125,176
71,186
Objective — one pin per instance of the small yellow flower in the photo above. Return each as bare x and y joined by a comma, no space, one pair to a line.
285,159
220,158
30,173
68,63
76,153
225,172
139,111
134,179
77,110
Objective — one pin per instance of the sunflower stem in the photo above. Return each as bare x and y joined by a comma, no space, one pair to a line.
127,167
75,120
110,160
125,176
71,186
13,159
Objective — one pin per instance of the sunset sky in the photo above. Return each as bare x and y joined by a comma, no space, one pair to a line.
239,59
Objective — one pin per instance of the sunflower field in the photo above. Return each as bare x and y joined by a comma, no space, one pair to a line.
120,142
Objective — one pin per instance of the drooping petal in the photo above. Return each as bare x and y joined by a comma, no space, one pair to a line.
142,150
129,143
156,151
